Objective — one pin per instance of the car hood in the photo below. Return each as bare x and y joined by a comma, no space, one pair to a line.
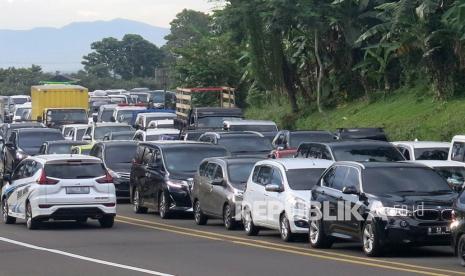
417,199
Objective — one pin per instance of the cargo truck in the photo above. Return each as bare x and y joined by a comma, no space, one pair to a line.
59,104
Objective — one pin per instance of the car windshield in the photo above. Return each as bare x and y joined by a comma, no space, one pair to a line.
19,100
187,159
299,138
106,115
158,97
59,148
239,174
303,179
213,122
27,140
382,181
142,98
125,116
431,154
20,110
157,137
258,128
243,144
360,153
453,175
100,131
75,170
120,154
64,115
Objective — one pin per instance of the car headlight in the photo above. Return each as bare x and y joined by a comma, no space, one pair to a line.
393,212
177,183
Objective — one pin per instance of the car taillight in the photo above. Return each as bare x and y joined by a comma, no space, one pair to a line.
44,180
106,179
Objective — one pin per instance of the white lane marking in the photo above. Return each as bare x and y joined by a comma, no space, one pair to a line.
59,252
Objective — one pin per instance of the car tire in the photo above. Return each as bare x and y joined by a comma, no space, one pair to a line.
6,218
107,221
199,217
461,250
370,240
285,228
163,206
136,203
228,218
317,236
31,223
249,226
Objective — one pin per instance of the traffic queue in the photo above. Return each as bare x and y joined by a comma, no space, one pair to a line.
159,152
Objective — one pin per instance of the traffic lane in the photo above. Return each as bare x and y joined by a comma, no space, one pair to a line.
169,252
432,256
18,260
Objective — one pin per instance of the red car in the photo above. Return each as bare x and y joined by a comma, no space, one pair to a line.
286,142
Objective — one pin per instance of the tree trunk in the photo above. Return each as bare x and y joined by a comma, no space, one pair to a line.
320,72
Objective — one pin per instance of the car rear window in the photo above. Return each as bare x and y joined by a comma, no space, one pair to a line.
74,170
374,153
303,179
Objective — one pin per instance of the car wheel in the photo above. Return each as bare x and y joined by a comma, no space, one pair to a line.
317,235
107,221
163,206
136,203
228,218
461,250
249,226
371,245
285,228
6,218
31,223
199,216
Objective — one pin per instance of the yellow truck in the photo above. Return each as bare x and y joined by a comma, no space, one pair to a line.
59,104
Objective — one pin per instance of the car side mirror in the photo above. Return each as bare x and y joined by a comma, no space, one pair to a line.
86,138
218,182
350,191
7,177
274,188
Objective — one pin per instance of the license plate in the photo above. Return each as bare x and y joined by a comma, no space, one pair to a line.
438,230
77,190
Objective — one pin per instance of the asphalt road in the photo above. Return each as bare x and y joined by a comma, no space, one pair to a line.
147,245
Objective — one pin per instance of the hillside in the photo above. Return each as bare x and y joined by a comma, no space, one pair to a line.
406,115
62,48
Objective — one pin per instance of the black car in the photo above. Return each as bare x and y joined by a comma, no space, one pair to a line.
240,143
59,147
25,142
218,188
371,133
351,150
458,228
8,128
162,173
191,135
117,157
395,203
119,135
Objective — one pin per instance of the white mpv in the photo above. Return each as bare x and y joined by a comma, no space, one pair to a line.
59,187
278,195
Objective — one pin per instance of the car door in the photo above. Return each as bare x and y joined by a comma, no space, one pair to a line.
333,181
218,193
145,186
259,207
351,225
10,153
199,182
274,200
207,188
155,176
17,191
137,171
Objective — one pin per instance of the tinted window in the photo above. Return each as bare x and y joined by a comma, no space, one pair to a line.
335,178
75,170
239,173
432,154
360,153
125,116
352,179
258,128
244,144
264,175
303,179
28,140
119,155
210,170
297,138
213,122
102,130
276,178
187,159
59,149
381,181
122,136
203,168
454,175
106,115
458,151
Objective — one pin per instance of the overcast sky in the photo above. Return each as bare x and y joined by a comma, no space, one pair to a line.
27,14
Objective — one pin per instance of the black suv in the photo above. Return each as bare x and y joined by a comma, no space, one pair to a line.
162,173
351,150
25,142
395,203
117,156
458,228
240,143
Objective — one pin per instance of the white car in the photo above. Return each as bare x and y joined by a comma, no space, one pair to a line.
125,114
451,171
74,132
97,131
277,195
423,150
156,134
21,112
143,120
59,187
